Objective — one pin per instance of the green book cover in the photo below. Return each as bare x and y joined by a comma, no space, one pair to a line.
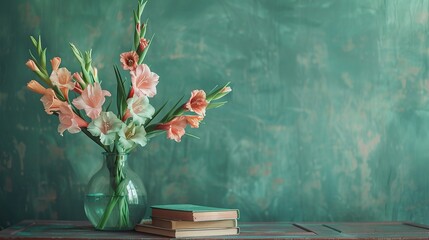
191,208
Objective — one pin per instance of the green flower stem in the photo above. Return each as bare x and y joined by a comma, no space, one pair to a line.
123,212
118,184
95,139
107,212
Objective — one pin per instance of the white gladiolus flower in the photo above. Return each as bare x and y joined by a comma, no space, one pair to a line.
105,126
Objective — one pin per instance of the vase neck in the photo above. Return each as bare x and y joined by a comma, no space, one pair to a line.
115,160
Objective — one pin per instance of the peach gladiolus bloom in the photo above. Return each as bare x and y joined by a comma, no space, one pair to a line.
194,121
55,63
32,65
63,80
91,100
197,103
50,101
175,128
129,60
69,120
36,87
144,81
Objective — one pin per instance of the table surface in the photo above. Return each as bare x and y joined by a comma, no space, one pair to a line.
43,229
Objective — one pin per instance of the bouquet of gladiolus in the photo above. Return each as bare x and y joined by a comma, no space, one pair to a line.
132,124
78,99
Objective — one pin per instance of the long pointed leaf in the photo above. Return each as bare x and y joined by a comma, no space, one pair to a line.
34,41
136,34
215,105
121,98
191,135
43,61
39,45
155,114
141,7
77,54
216,94
170,113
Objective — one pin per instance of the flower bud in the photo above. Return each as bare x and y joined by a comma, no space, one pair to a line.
34,86
143,45
32,66
55,63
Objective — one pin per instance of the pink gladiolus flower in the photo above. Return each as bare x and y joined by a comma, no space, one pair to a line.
175,128
91,100
50,101
35,86
69,120
144,81
63,80
197,103
194,121
55,63
32,66
129,60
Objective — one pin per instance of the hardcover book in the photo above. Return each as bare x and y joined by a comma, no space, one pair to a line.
177,233
173,224
190,212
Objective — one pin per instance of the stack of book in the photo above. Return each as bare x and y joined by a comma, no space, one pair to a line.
188,220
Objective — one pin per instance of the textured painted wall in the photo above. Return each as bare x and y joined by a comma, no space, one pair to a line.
327,121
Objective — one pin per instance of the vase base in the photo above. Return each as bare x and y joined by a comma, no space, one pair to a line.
95,205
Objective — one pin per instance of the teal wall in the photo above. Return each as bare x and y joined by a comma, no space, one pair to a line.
327,120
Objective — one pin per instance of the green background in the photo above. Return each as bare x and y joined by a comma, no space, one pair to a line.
327,120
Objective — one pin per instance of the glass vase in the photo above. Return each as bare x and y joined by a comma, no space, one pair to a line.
116,198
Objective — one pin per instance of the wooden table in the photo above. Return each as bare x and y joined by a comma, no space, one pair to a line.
42,229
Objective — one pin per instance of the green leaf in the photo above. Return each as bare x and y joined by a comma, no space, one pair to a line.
88,60
136,34
108,105
215,105
43,61
142,5
216,94
155,114
191,135
85,76
77,54
153,133
170,113
121,100
85,63
34,41
95,139
39,45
